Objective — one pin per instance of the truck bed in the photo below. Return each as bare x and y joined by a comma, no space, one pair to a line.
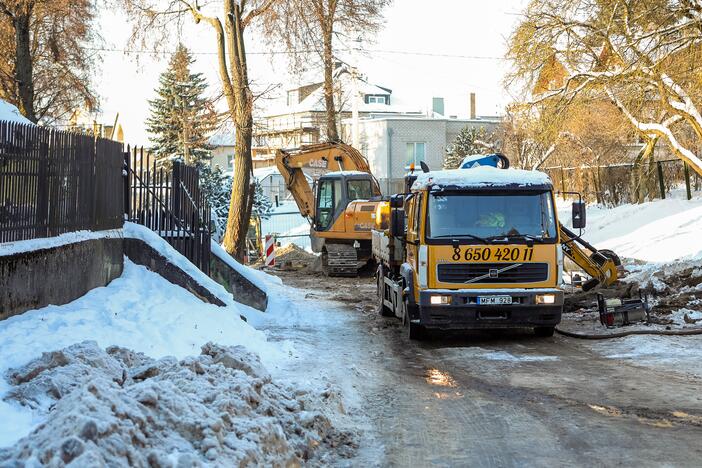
385,249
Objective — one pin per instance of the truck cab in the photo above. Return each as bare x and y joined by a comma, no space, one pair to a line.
472,249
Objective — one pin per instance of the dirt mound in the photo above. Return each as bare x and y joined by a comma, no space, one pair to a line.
122,408
293,257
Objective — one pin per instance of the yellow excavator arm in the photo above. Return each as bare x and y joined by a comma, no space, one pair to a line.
601,265
322,156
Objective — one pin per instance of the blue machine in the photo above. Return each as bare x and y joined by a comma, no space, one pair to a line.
494,160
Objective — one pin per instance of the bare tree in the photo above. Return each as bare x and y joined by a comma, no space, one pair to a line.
45,56
313,28
229,28
642,56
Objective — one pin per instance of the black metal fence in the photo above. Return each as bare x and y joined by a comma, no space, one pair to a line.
622,183
53,182
168,200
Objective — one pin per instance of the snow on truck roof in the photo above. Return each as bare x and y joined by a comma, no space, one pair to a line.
482,177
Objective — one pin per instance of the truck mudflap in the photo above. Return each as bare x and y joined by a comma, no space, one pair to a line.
485,309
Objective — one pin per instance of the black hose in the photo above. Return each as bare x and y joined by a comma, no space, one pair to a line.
587,336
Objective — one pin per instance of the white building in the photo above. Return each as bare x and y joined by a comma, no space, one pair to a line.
392,143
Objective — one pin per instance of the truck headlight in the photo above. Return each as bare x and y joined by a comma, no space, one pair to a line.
440,300
545,298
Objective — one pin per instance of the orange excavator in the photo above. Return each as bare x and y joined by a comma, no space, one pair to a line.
340,206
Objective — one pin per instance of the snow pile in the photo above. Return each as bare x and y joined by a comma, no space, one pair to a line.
10,113
118,408
481,177
657,231
140,310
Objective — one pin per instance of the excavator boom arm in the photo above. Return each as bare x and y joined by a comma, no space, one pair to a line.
599,267
325,156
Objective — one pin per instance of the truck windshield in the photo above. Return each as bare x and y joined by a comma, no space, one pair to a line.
491,216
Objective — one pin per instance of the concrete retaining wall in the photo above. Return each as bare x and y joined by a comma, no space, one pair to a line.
142,253
243,290
59,275
31,280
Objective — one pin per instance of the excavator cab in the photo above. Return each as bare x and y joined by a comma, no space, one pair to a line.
335,190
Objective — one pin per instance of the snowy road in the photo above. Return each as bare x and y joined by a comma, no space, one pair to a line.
504,400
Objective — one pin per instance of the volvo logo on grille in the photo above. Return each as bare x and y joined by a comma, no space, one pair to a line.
494,272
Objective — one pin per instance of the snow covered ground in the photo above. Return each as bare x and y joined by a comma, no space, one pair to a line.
660,242
659,231
281,417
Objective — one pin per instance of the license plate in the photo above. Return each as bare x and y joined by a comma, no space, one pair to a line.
494,300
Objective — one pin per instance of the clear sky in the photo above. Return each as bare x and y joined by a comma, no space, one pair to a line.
442,48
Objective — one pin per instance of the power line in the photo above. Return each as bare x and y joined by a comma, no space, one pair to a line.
297,52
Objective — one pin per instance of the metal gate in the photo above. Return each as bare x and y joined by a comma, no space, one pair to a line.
165,197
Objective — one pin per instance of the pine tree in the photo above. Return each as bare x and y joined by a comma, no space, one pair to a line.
262,205
470,140
181,117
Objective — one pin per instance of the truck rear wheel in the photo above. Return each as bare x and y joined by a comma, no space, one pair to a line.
383,310
414,330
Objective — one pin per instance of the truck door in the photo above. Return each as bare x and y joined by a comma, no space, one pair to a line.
413,217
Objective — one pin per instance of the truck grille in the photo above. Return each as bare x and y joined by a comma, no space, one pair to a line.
492,273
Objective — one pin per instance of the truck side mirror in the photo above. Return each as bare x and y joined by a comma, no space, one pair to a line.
579,215
397,222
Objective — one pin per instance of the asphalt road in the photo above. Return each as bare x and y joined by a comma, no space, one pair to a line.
508,399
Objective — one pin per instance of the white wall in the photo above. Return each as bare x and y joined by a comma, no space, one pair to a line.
222,157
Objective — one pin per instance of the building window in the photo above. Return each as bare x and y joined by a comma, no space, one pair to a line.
293,97
416,152
230,161
376,99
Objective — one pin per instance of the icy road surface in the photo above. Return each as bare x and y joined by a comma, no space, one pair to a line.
500,400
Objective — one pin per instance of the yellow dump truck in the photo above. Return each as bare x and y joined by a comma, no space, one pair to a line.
471,249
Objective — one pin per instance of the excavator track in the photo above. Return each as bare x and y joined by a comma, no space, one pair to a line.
340,260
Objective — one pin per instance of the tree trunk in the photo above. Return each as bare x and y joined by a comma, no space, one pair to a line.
640,174
328,59
23,66
241,107
239,211
249,208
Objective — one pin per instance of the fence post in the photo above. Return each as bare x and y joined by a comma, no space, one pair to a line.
175,189
125,182
661,184
43,187
563,183
687,180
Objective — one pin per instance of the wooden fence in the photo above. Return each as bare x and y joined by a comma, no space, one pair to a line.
615,184
168,200
53,182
